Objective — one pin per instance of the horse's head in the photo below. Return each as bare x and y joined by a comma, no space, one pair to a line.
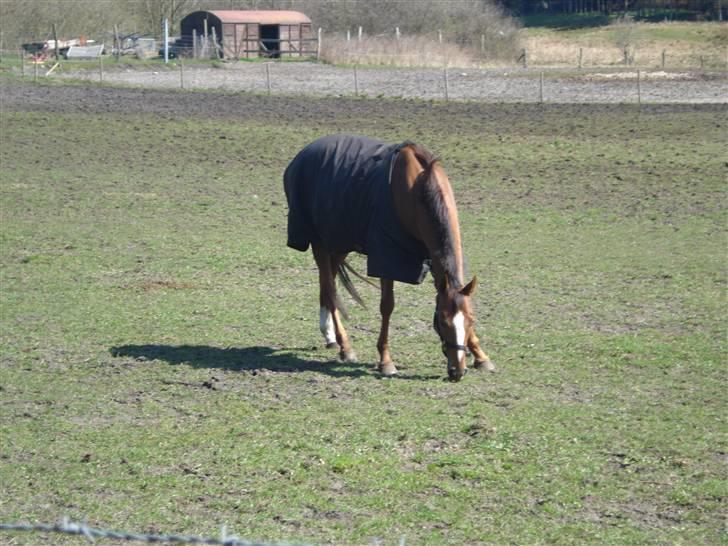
453,322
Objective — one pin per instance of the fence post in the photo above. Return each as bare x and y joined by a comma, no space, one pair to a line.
540,88
581,57
360,33
356,82
22,63
396,33
447,85
35,70
639,88
194,43
181,74
664,53
216,50
267,76
56,52
318,45
348,35
524,57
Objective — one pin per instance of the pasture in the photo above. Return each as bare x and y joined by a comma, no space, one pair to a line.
162,368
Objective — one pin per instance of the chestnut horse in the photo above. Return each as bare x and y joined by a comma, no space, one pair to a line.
418,196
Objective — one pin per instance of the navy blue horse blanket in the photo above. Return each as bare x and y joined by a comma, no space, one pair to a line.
339,196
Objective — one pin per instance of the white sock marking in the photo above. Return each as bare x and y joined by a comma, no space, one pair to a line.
459,323
326,324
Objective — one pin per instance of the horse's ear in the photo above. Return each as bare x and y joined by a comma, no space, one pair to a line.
469,288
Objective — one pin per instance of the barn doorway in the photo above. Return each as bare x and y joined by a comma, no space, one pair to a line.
270,41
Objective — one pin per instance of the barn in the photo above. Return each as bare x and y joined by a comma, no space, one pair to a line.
253,33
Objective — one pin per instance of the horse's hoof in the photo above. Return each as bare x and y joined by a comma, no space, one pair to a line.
388,369
486,365
347,356
332,345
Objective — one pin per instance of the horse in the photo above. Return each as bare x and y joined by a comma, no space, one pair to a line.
394,203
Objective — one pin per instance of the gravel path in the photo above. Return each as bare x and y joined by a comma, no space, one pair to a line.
491,85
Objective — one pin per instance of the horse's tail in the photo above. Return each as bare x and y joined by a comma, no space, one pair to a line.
344,270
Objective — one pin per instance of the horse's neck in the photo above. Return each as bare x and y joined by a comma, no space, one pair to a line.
447,258
426,226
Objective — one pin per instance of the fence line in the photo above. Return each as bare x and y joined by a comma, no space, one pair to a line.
81,529
631,85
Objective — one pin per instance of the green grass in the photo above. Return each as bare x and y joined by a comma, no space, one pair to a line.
162,369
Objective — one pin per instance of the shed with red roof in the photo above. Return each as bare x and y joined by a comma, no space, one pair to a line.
252,33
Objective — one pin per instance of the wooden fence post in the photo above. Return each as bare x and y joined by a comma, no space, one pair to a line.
318,45
581,57
117,40
356,82
181,74
540,88
447,85
214,43
55,42
639,88
267,76
664,53
22,63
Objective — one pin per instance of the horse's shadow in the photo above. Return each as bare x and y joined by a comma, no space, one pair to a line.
247,359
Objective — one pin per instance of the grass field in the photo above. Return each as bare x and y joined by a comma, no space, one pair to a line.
162,369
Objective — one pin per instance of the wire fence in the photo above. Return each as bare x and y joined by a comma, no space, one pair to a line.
67,527
622,84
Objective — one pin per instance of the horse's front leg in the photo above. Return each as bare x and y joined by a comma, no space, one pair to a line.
482,361
386,306
330,322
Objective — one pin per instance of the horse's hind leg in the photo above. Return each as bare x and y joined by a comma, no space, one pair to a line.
330,322
386,306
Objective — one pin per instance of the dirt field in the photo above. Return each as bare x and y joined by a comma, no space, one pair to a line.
341,112
491,85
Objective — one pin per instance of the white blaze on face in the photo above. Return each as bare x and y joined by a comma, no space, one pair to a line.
459,323
326,324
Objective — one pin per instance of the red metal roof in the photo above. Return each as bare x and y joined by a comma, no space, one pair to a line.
271,17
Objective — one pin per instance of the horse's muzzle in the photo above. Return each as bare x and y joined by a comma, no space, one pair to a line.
453,374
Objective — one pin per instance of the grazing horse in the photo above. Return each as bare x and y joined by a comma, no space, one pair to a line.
393,203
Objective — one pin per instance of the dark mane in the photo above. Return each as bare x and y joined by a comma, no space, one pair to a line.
433,201
423,155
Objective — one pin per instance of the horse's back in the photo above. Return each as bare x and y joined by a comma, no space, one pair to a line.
331,187
339,197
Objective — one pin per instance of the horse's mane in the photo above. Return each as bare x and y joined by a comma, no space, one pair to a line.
432,198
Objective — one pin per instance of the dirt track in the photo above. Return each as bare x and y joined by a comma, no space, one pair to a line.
346,113
491,85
